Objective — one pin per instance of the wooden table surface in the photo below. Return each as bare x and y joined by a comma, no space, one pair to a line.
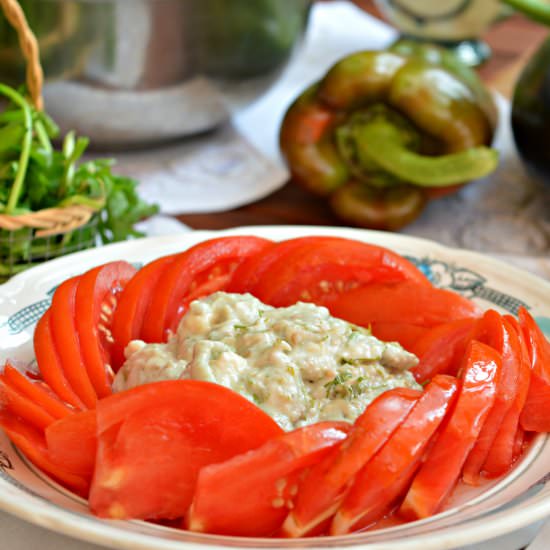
512,40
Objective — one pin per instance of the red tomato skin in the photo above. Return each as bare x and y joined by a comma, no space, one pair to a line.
408,335
267,476
324,486
32,444
65,338
304,271
441,349
132,305
175,282
168,424
72,443
507,387
37,391
443,464
395,464
50,365
534,416
95,302
253,269
503,453
404,302
18,404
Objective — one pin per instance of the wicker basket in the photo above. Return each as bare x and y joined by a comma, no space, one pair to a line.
31,238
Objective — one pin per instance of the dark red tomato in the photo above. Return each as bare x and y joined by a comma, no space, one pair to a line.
442,466
131,307
32,444
95,302
507,388
72,443
329,267
66,342
404,302
249,274
324,486
154,439
259,485
408,335
20,405
176,282
388,474
36,391
534,416
441,349
49,363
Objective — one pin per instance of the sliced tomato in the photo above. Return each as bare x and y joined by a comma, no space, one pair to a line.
504,450
49,363
18,404
403,302
267,476
378,485
330,267
407,334
176,282
72,443
253,269
32,444
443,465
36,391
324,486
65,338
131,307
154,439
95,302
441,349
507,389
534,416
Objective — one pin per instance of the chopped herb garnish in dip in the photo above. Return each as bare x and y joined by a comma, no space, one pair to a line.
297,363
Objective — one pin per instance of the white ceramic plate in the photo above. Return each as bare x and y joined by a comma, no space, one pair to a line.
474,515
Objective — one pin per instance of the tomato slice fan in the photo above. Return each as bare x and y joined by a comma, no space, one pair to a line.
394,465
249,495
507,344
95,303
176,282
443,465
534,416
18,404
72,443
334,265
32,444
323,487
66,342
49,362
402,302
441,349
507,444
131,307
36,391
154,439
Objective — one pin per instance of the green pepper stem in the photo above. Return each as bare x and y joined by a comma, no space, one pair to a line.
382,143
535,9
17,187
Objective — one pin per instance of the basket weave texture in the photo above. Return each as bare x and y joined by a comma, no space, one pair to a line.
52,231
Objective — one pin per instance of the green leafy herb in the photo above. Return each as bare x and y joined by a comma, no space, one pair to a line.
335,388
34,175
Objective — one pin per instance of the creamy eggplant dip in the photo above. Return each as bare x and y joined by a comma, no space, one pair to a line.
298,363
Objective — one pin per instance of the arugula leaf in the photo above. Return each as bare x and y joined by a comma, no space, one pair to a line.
34,175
